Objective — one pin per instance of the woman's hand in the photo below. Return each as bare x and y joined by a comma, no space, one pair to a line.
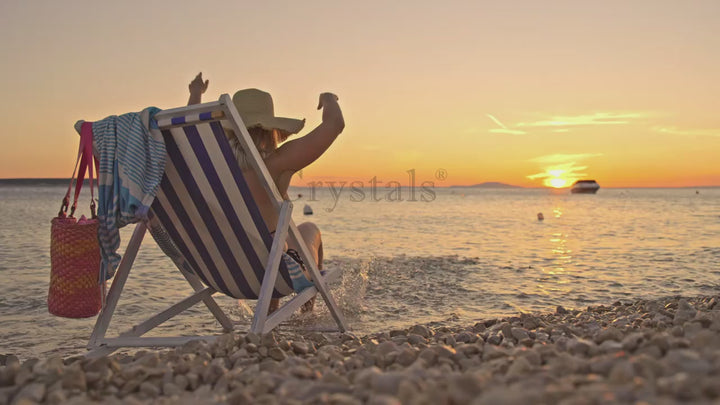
197,87
332,115
325,98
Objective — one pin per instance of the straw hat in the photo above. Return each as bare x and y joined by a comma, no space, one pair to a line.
256,110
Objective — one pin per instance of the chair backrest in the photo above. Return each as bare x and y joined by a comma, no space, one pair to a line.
206,210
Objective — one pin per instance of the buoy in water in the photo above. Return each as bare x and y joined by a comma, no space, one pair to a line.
307,210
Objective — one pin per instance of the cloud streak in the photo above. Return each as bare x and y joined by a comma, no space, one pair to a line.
564,123
601,118
503,129
507,131
687,132
560,158
497,121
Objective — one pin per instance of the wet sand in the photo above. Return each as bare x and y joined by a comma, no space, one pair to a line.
643,351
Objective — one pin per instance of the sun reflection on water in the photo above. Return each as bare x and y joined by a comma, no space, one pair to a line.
556,278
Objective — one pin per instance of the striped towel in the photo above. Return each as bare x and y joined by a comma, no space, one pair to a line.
132,163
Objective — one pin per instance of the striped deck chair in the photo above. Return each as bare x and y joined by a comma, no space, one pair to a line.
205,219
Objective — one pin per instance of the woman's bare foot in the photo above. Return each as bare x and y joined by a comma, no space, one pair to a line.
308,306
274,304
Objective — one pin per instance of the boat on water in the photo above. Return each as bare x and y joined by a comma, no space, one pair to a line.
585,187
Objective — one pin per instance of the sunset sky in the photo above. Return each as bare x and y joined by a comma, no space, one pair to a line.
529,93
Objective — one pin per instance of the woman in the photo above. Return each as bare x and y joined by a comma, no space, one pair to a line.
267,131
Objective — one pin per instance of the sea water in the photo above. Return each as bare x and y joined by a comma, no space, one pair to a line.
448,255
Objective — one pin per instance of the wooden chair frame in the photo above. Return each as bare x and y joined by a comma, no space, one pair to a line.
100,345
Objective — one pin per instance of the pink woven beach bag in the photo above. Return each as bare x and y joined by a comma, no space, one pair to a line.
74,249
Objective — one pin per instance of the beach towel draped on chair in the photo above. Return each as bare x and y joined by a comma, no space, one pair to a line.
131,152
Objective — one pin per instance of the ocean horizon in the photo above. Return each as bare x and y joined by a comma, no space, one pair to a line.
330,184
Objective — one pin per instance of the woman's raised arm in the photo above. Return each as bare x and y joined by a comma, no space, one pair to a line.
296,154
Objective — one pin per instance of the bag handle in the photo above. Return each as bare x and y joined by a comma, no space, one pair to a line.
85,159
66,200
86,136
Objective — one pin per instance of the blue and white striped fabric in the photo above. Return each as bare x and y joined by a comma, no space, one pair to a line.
132,161
299,281
206,116
206,209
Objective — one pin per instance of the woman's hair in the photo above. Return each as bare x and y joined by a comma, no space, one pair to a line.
265,140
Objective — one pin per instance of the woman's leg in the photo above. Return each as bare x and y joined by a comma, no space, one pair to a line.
313,240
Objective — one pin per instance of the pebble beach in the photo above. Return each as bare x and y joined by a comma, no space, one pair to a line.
659,351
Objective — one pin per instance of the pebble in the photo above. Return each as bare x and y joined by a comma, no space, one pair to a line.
520,366
610,333
632,341
379,399
253,338
420,330
277,354
494,339
300,347
492,352
268,340
581,347
56,397
687,361
519,334
684,313
170,389
74,378
706,340
661,341
429,356
529,321
149,389
610,346
34,392
622,372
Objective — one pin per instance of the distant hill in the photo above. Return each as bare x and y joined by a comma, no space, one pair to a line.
491,184
36,182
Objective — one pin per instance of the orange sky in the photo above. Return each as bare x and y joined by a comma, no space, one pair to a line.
521,92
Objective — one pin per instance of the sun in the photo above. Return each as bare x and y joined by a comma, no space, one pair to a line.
556,182
555,177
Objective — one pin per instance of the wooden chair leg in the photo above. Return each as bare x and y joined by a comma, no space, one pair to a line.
103,321
272,268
